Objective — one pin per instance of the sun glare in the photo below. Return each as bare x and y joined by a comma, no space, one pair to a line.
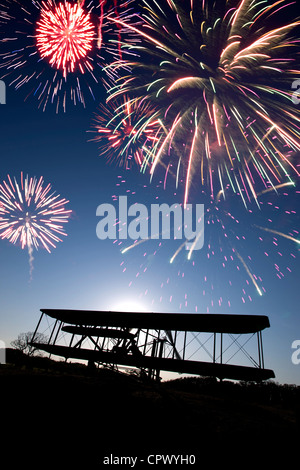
128,306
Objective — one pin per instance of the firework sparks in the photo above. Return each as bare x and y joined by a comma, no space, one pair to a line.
125,131
55,49
241,253
65,35
31,214
222,80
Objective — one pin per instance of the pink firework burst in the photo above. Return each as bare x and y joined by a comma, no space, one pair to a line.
31,214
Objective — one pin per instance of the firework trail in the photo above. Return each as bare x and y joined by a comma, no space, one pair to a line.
31,214
221,74
125,131
53,49
102,15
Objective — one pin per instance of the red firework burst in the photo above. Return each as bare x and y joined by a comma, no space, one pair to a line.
65,36
126,130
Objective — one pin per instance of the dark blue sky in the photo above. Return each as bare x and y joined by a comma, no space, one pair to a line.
84,272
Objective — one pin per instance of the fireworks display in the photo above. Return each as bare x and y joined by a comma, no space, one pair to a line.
221,74
126,131
198,93
31,214
54,49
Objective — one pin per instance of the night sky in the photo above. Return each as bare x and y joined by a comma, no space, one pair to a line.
84,272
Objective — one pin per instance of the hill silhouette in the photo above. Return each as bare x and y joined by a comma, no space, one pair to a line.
64,413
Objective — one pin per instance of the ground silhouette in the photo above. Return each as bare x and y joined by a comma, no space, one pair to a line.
62,413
